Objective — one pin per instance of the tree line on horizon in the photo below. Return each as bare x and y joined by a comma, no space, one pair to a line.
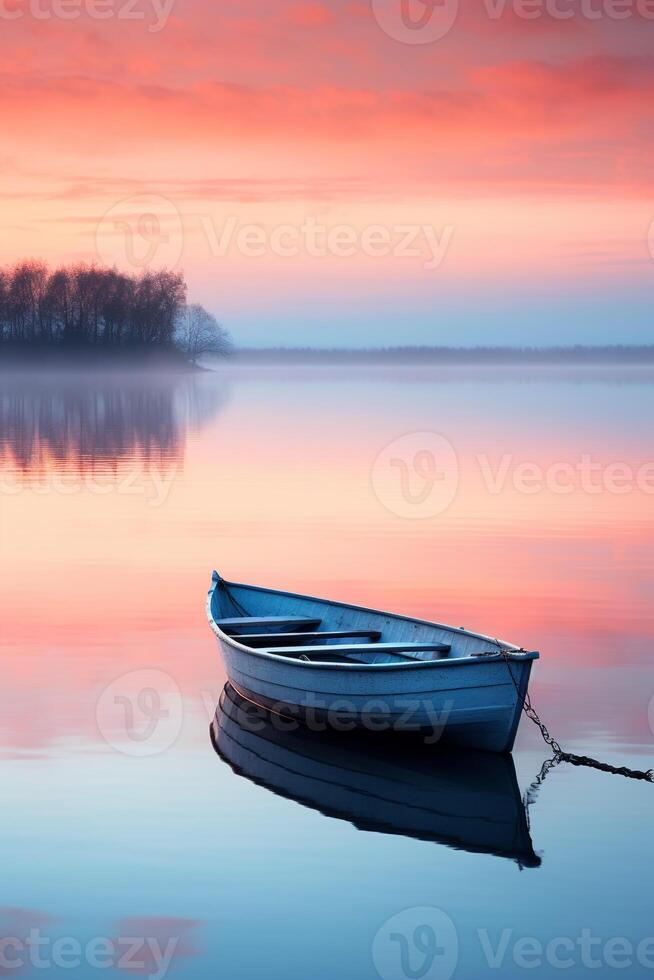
608,354
84,306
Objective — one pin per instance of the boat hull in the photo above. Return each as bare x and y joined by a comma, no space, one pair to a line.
471,696
474,704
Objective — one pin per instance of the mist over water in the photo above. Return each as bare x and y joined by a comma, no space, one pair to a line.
520,508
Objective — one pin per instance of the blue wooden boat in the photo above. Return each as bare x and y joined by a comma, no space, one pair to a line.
460,798
334,665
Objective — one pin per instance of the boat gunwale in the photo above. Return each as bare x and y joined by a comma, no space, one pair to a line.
517,654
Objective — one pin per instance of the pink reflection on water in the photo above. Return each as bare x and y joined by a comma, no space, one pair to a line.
276,489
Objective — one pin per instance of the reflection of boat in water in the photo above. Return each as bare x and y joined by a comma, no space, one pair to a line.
391,784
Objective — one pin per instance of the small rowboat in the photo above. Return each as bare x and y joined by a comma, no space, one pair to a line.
331,665
462,799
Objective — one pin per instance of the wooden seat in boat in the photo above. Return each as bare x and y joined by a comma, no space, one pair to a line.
282,623
286,639
402,651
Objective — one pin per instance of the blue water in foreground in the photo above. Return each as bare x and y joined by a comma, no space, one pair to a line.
130,846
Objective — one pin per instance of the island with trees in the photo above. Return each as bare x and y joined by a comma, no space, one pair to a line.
89,312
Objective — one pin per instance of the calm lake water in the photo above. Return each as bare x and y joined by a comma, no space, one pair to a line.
521,507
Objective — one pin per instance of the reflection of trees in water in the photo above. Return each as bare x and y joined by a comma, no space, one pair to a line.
80,422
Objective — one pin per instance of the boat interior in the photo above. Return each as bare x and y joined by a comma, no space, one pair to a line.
314,630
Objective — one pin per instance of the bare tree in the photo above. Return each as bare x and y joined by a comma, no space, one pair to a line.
4,293
27,283
87,306
199,333
58,306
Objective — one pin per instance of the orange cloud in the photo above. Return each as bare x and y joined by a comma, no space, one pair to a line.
527,123
309,14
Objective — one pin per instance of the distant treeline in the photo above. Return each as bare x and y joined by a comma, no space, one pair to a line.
575,355
83,305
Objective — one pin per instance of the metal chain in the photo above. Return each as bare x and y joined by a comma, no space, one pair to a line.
559,754
531,792
528,707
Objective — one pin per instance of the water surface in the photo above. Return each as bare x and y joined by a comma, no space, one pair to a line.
518,506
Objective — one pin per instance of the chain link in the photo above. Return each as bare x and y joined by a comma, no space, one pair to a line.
528,707
559,754
531,792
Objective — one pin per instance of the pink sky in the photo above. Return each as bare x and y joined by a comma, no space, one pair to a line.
528,137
